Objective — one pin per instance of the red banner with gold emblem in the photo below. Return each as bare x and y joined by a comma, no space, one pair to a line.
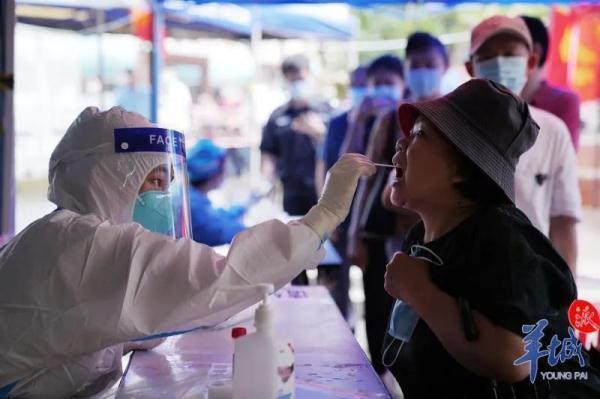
574,54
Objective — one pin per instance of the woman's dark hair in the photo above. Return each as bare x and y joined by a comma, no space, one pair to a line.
386,62
478,187
423,41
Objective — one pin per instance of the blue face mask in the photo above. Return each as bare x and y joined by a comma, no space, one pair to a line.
357,94
424,82
386,92
403,319
153,210
508,71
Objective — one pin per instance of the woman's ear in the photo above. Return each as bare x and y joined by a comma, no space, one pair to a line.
457,170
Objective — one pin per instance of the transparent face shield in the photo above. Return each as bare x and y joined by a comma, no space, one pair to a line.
162,203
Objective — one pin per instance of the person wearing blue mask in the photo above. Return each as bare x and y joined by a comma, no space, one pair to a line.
337,278
370,225
385,91
547,186
338,124
426,63
210,225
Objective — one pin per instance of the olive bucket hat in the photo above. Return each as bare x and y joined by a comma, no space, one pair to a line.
488,123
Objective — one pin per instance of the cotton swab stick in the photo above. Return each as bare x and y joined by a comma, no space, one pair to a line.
384,165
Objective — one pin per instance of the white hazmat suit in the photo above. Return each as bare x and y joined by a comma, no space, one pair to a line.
80,282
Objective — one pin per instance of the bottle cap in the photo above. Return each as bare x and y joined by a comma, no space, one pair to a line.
237,332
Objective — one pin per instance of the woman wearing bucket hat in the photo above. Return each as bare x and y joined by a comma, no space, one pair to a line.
478,273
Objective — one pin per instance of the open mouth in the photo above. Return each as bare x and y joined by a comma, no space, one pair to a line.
399,173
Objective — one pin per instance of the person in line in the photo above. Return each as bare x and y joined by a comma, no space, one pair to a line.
426,63
337,128
292,140
547,188
476,274
368,230
538,92
114,262
337,278
385,91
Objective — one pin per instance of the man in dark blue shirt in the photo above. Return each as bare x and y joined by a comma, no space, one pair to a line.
293,136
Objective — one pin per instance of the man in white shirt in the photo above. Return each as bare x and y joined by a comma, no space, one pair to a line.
546,184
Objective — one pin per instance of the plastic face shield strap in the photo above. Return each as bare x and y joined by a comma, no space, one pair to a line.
162,204
403,319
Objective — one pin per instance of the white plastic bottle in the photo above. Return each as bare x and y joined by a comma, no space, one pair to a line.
264,363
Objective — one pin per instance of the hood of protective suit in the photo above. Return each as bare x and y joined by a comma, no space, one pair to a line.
86,175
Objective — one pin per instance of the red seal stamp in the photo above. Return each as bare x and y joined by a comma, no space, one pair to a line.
584,317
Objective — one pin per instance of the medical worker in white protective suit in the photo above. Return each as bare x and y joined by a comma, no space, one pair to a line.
80,283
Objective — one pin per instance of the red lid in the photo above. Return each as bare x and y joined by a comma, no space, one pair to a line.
237,332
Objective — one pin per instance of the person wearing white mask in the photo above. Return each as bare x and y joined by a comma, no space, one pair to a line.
292,141
547,189
426,63
293,136
115,262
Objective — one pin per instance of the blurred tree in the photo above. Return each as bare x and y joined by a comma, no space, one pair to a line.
397,22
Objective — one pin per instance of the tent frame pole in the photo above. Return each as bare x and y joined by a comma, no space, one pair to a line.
155,57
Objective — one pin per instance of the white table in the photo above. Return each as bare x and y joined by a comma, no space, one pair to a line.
329,362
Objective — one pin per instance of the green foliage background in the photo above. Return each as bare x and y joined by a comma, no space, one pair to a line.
397,22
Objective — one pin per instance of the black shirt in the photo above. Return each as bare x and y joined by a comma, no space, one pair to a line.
497,263
296,156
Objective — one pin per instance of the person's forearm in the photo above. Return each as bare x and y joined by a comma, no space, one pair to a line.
563,235
491,355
